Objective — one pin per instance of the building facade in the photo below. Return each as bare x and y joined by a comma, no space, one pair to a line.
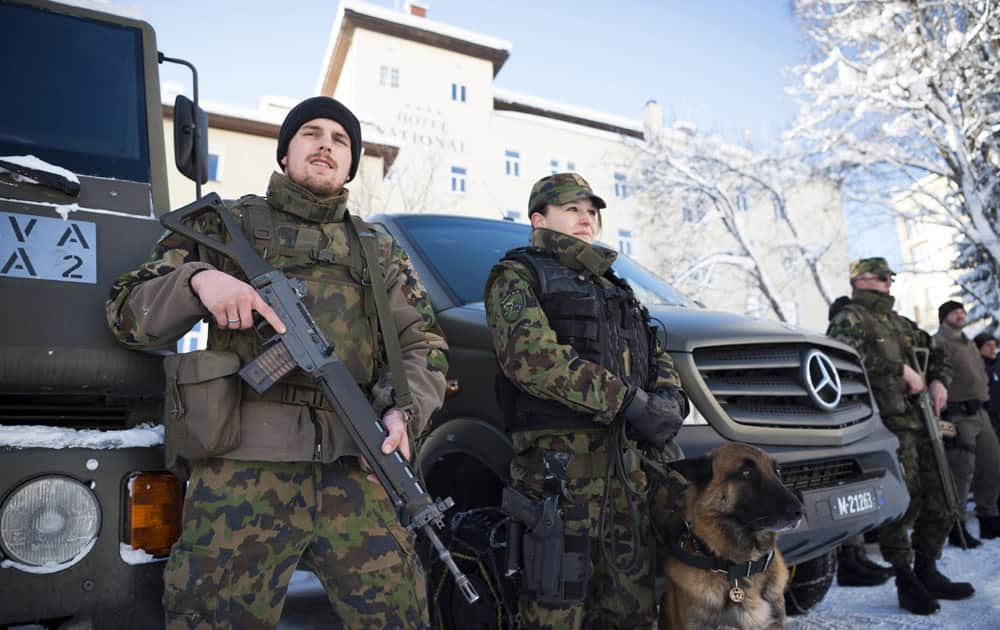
927,240
441,138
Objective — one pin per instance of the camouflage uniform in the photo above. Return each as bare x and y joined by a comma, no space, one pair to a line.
287,491
531,357
884,340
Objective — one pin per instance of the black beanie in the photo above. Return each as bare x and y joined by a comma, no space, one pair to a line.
947,307
982,338
322,107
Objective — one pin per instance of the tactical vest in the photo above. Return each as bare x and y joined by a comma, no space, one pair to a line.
604,324
329,259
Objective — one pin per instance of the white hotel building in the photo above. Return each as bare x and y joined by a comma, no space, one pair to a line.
441,138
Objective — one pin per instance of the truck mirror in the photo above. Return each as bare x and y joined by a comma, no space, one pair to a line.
190,139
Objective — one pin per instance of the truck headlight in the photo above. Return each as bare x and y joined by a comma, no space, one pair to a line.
48,520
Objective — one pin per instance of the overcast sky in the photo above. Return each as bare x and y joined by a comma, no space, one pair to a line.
718,63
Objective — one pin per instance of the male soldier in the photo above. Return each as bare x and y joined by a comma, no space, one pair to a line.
987,345
585,363
885,341
854,567
283,482
974,452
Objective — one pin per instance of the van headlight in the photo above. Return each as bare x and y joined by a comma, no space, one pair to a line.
48,520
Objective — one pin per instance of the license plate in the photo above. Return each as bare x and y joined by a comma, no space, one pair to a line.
854,503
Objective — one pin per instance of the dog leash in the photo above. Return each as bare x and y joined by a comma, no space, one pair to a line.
709,561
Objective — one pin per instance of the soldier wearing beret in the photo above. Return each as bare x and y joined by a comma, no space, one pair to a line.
885,340
584,379
275,479
974,453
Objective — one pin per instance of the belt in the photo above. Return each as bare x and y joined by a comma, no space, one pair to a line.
964,407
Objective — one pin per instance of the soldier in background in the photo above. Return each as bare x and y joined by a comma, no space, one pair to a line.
580,363
274,478
974,453
885,340
987,345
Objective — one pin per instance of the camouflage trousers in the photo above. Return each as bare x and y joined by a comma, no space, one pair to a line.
927,512
974,457
613,598
247,525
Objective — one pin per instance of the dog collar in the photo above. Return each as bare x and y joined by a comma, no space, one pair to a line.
706,560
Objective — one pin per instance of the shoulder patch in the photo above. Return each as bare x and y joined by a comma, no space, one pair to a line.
512,304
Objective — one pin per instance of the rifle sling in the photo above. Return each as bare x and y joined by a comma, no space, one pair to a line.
390,336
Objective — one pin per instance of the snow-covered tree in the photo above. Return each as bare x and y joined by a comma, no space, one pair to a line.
907,93
735,225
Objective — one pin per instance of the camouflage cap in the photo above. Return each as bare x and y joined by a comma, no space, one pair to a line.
559,189
876,266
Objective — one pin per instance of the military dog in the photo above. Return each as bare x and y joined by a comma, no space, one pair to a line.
724,569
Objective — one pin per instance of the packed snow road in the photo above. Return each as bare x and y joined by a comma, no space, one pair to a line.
875,608
872,608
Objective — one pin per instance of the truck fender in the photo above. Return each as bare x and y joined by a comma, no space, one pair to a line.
471,437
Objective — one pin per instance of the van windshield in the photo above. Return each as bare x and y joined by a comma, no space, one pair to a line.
81,98
462,251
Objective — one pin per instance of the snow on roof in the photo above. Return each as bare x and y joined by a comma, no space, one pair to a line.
425,24
566,109
275,115
403,19
32,162
24,436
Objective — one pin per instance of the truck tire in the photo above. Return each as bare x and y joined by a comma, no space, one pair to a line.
808,583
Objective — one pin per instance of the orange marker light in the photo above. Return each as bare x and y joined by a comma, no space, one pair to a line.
153,515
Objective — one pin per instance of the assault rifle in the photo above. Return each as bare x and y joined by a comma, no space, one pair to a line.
921,357
303,346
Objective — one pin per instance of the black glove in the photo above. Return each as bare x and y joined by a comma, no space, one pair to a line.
653,418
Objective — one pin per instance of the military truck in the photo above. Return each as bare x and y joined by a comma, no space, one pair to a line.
800,396
86,508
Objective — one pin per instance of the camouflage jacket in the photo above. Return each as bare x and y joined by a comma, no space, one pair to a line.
154,305
885,341
527,347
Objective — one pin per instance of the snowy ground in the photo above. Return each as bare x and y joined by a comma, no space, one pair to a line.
873,608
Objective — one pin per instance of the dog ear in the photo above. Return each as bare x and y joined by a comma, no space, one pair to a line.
697,470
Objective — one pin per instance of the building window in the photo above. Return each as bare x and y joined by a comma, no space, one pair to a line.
621,186
512,161
458,92
195,339
692,215
457,179
911,228
741,202
625,242
214,173
512,215
388,75
554,167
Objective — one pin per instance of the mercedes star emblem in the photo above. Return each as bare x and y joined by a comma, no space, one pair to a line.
821,380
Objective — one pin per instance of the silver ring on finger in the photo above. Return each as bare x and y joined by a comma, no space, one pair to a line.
234,321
